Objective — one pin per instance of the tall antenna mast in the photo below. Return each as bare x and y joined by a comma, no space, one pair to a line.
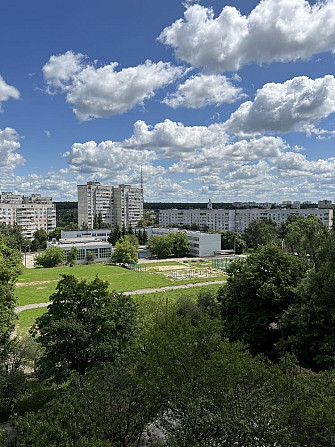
141,178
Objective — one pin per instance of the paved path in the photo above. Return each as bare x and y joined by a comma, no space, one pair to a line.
134,292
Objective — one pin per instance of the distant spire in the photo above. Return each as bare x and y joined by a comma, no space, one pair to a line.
209,204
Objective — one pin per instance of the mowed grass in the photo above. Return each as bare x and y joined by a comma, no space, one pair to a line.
149,305
27,318
36,285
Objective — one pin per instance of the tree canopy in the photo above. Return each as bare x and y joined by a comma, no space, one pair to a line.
260,232
259,289
51,257
85,325
126,250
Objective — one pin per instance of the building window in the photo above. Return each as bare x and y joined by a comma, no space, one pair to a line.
105,253
81,255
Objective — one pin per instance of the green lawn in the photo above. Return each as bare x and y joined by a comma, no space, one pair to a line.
148,305
27,319
120,279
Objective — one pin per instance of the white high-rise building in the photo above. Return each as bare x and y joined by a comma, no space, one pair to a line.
122,205
30,213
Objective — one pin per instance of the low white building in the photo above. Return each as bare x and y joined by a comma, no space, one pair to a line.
201,244
103,251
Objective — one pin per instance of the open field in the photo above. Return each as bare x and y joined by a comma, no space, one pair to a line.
36,285
148,305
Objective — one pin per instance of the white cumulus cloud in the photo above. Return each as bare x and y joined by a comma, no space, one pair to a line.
203,90
285,107
7,91
173,139
106,159
9,145
104,91
61,69
275,30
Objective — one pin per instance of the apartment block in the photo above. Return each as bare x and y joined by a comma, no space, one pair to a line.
122,205
30,213
239,219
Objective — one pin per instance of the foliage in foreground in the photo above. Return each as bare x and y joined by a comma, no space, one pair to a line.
85,325
199,388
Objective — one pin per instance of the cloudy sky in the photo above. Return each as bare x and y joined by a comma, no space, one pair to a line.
228,99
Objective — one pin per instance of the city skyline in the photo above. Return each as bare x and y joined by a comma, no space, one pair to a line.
231,100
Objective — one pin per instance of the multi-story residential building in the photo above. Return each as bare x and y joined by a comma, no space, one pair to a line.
238,219
30,213
122,205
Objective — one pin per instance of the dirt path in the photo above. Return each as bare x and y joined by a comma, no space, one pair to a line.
134,292
34,283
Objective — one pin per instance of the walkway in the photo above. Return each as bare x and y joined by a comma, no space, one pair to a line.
134,292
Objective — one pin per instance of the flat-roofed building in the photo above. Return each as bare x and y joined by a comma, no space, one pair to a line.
103,251
201,244
101,234
30,213
122,205
238,219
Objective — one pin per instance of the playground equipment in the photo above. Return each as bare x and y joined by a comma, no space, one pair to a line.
221,263
137,267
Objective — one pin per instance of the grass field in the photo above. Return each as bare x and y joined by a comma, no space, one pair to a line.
148,304
36,285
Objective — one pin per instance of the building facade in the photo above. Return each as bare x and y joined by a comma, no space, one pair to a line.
103,251
239,219
122,205
30,213
201,244
101,234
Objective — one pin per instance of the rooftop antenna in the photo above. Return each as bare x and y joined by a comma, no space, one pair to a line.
141,178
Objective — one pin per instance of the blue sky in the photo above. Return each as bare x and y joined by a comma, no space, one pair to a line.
232,100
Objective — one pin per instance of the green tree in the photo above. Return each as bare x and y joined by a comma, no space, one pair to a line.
259,289
260,232
72,256
40,240
8,276
115,235
85,325
125,250
55,234
144,237
308,324
51,257
213,389
11,376
98,221
180,245
230,240
160,246
304,235
90,256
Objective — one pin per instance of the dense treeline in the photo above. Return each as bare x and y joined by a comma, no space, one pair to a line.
66,213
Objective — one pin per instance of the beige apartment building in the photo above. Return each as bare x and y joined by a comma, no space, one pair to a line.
122,205
30,213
